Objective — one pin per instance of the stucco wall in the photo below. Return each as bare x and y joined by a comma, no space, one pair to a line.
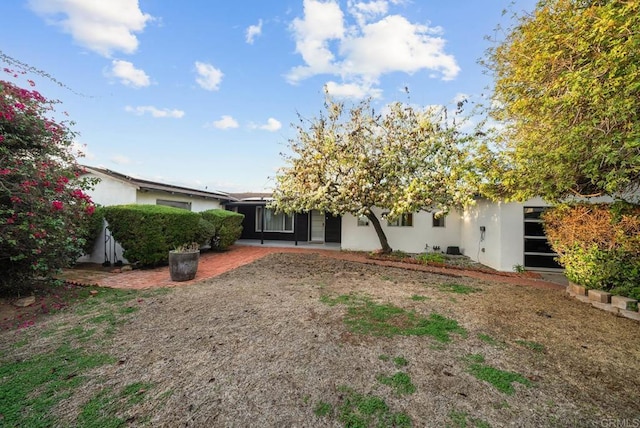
112,192
411,239
105,249
503,242
488,215
197,204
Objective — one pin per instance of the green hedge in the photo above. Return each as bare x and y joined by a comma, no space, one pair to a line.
228,227
612,270
148,232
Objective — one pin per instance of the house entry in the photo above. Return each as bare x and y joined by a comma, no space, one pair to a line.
317,226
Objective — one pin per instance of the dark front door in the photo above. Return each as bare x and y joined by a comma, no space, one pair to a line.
332,228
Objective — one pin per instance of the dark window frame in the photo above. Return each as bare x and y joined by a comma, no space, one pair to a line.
438,221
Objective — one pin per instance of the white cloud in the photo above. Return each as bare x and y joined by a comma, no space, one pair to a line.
120,160
322,22
155,112
225,122
365,11
352,90
408,47
374,44
272,125
101,26
129,75
253,31
209,76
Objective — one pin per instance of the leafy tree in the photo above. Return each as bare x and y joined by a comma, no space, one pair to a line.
567,85
44,210
351,160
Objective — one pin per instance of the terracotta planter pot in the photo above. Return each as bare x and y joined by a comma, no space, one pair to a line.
183,265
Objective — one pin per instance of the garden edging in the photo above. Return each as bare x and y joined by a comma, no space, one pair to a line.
605,301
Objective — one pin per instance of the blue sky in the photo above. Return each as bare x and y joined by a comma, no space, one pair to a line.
203,93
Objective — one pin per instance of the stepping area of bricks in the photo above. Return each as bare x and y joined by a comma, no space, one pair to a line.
212,264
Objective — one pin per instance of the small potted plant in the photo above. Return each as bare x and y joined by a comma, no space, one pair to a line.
183,262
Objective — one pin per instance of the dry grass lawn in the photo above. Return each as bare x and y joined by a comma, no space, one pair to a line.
267,345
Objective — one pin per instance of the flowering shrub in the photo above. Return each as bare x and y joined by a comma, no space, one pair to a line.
44,210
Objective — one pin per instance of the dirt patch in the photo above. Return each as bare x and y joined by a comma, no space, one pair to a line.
47,299
257,347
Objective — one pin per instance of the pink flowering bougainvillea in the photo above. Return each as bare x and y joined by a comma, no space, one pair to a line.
44,210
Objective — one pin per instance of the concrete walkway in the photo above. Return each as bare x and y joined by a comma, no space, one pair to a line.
303,245
212,264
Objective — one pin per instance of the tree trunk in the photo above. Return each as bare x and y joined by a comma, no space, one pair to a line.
386,249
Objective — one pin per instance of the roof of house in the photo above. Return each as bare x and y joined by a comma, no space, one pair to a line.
161,187
250,199
248,196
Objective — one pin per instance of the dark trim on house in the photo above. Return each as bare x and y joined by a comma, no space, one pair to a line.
301,224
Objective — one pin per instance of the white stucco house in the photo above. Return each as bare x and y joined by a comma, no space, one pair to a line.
500,235
413,233
114,188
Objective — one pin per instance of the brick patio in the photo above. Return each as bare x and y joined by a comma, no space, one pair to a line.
212,264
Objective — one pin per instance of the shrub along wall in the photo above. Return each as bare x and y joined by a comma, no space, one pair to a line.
228,227
148,232
598,245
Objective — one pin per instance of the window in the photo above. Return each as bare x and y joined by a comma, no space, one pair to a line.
363,220
273,222
175,204
438,220
403,220
537,251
